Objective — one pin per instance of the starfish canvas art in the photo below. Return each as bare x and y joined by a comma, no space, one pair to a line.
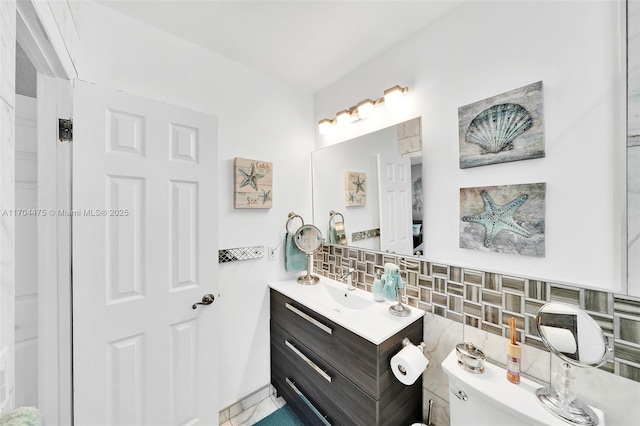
355,188
505,219
253,184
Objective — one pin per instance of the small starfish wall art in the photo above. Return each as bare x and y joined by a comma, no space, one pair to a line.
355,189
253,184
505,219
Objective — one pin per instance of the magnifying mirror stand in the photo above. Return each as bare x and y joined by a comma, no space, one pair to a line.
562,401
309,278
399,309
308,239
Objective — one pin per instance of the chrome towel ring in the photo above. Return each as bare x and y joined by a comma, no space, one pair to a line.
291,217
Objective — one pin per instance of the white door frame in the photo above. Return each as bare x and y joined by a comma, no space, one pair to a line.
54,255
37,32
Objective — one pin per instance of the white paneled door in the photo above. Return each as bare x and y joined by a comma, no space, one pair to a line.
144,251
395,204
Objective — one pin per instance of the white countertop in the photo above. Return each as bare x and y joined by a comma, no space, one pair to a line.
368,319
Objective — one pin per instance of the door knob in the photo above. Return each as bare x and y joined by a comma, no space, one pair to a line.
207,299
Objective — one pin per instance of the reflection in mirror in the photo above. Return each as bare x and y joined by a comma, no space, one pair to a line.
575,337
572,335
390,163
308,239
336,233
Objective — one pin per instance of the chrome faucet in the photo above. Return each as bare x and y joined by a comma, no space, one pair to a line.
349,276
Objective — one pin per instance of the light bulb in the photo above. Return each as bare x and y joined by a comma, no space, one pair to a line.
343,117
392,95
324,126
365,109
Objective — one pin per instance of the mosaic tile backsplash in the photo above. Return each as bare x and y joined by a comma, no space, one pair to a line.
486,300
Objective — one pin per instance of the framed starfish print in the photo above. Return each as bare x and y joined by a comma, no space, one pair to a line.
253,184
355,189
505,219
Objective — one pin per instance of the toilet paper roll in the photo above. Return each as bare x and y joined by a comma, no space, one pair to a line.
408,364
561,339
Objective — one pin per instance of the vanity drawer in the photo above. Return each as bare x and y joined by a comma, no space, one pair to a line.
353,356
308,378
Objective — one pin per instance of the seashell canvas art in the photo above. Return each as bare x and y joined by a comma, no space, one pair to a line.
495,128
506,127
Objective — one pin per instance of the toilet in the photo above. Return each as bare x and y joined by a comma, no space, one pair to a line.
490,399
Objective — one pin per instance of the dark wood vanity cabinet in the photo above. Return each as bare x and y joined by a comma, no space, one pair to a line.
330,375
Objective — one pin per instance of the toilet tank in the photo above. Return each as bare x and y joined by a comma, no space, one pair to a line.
490,399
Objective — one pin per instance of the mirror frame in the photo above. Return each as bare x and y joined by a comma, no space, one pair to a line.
630,273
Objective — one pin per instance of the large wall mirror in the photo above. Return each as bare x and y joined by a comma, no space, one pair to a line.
374,182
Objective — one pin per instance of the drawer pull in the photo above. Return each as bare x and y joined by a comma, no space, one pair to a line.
293,386
313,321
308,361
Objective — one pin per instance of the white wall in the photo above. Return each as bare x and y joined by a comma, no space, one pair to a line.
259,118
482,49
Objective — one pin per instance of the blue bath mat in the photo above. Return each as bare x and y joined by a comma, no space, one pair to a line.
281,417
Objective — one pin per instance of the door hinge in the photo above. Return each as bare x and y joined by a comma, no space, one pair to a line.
65,130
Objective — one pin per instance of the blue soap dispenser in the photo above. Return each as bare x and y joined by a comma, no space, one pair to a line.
378,287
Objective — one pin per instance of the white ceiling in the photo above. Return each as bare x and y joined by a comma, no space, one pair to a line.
309,44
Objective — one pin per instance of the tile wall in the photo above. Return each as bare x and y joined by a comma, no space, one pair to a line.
471,305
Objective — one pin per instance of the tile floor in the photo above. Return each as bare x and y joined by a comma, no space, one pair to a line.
256,412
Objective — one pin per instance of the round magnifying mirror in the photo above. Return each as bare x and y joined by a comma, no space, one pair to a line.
308,239
572,335
577,339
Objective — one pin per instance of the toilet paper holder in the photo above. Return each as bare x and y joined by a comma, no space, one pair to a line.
407,342
409,362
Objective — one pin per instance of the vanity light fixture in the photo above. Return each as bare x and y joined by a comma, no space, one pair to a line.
362,110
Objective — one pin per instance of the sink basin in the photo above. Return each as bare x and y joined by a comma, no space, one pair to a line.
344,298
